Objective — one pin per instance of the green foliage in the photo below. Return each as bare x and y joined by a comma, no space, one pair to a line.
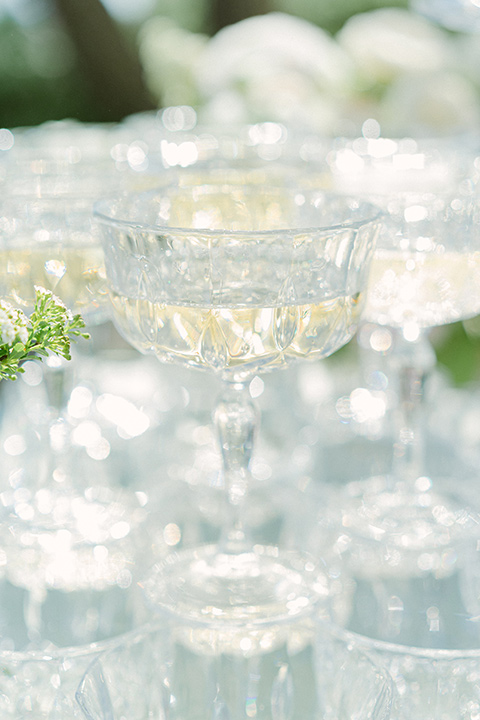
33,92
50,329
332,16
459,353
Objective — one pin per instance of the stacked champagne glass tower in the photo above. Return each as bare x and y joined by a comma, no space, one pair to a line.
234,257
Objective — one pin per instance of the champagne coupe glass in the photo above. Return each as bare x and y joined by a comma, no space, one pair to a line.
403,538
425,267
425,273
47,240
390,172
310,673
236,271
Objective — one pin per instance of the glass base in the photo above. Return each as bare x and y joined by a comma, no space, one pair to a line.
408,556
210,584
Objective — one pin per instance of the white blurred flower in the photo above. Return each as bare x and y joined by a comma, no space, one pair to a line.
169,55
443,102
389,42
409,76
467,53
269,44
277,67
388,64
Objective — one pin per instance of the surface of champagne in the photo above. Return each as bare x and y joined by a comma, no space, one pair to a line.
423,287
238,339
75,274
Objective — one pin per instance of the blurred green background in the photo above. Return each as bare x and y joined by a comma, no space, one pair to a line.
79,59
52,52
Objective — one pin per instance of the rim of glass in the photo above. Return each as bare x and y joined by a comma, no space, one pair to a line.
29,198
371,644
165,623
102,212
69,651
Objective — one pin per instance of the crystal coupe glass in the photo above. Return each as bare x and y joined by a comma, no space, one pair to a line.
404,539
236,271
425,273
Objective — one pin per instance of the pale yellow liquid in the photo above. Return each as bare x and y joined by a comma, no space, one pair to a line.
426,288
75,274
234,340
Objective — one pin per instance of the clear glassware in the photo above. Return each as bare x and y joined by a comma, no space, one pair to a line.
68,564
41,685
48,240
415,526
401,541
429,683
424,274
268,671
456,15
67,157
427,275
175,139
366,409
237,271
414,586
59,519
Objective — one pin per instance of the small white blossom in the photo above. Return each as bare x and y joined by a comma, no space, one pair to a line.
49,330
8,333
13,324
48,293
22,333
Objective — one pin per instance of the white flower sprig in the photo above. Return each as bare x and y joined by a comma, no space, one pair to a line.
50,329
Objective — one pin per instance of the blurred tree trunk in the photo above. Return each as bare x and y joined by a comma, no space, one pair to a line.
110,66
228,12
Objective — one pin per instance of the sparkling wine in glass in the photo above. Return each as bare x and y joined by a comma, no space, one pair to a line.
48,241
236,272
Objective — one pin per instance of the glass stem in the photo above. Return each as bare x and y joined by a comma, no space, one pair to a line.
58,384
414,363
236,420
